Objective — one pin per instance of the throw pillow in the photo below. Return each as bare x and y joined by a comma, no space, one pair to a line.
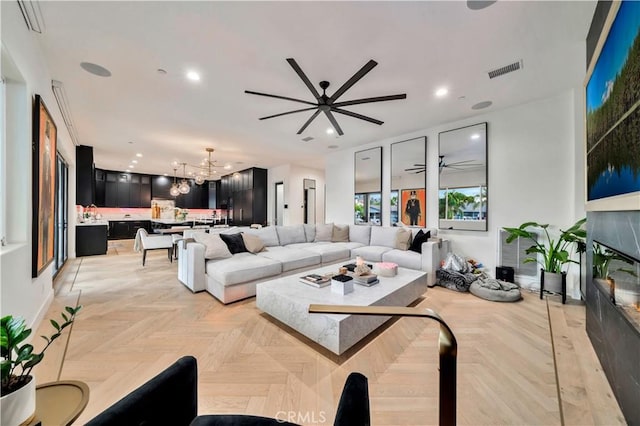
403,239
234,242
420,238
324,232
214,247
253,243
340,234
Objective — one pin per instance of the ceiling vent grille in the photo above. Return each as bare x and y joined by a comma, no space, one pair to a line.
506,69
307,139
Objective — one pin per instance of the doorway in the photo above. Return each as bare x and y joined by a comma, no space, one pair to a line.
279,199
309,201
60,252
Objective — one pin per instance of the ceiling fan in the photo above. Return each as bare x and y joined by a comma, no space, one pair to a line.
457,165
328,104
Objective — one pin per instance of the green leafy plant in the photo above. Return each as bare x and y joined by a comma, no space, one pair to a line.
18,359
554,252
602,257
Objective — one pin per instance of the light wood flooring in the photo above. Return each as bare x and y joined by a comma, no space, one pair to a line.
137,320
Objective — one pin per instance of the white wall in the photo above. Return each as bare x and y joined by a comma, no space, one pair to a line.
26,73
293,179
534,163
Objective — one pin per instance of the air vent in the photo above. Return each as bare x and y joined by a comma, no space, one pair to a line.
506,69
307,139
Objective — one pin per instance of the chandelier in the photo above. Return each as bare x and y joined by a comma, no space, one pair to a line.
181,188
206,168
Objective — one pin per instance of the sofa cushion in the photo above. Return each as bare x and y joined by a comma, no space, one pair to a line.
291,234
383,236
324,232
404,258
234,242
421,237
214,247
360,234
268,235
403,239
242,268
371,253
253,243
309,232
340,234
330,252
292,258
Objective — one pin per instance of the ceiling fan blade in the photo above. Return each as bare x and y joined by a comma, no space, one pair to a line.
334,122
355,115
459,162
353,80
369,100
303,76
313,116
279,97
420,164
288,112
413,168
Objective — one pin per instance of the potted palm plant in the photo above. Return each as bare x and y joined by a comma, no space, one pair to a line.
18,359
552,254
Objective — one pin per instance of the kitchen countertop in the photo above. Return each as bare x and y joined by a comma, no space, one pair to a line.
179,222
96,223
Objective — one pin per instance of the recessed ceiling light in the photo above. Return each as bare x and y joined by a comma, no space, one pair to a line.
227,166
165,174
481,105
134,161
95,69
127,170
442,92
131,166
193,76
329,131
475,136
138,155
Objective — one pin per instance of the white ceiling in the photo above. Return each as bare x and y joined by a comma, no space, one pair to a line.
239,46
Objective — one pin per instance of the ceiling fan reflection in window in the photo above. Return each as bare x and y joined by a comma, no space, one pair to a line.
456,165
328,104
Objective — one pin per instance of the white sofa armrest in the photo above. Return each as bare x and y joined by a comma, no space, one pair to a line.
432,254
191,265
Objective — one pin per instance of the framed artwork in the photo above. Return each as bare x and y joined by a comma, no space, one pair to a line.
612,95
413,205
45,134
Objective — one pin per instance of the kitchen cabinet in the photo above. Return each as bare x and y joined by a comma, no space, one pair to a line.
91,240
126,229
85,182
101,187
119,189
248,196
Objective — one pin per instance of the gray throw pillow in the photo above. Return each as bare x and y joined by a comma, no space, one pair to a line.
324,232
214,247
340,234
253,243
291,234
403,239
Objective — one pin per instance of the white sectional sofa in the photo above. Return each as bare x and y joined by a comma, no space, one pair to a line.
297,248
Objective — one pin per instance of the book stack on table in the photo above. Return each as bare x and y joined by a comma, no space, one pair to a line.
315,280
366,280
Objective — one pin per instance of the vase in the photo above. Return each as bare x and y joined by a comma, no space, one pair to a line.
19,406
553,282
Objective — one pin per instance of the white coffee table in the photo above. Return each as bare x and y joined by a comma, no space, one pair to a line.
288,300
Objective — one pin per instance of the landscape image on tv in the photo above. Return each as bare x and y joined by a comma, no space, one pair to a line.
613,110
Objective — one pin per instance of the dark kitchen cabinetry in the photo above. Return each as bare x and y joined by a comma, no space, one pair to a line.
126,229
246,196
91,240
122,189
85,183
196,198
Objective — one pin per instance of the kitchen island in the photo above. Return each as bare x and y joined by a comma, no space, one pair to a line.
91,238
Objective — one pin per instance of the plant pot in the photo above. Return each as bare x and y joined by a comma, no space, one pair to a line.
20,406
553,282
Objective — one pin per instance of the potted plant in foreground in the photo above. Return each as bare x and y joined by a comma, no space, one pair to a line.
18,359
553,252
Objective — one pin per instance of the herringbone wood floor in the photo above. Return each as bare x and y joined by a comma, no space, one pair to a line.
137,320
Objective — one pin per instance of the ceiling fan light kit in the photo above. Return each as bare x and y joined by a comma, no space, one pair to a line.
328,104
